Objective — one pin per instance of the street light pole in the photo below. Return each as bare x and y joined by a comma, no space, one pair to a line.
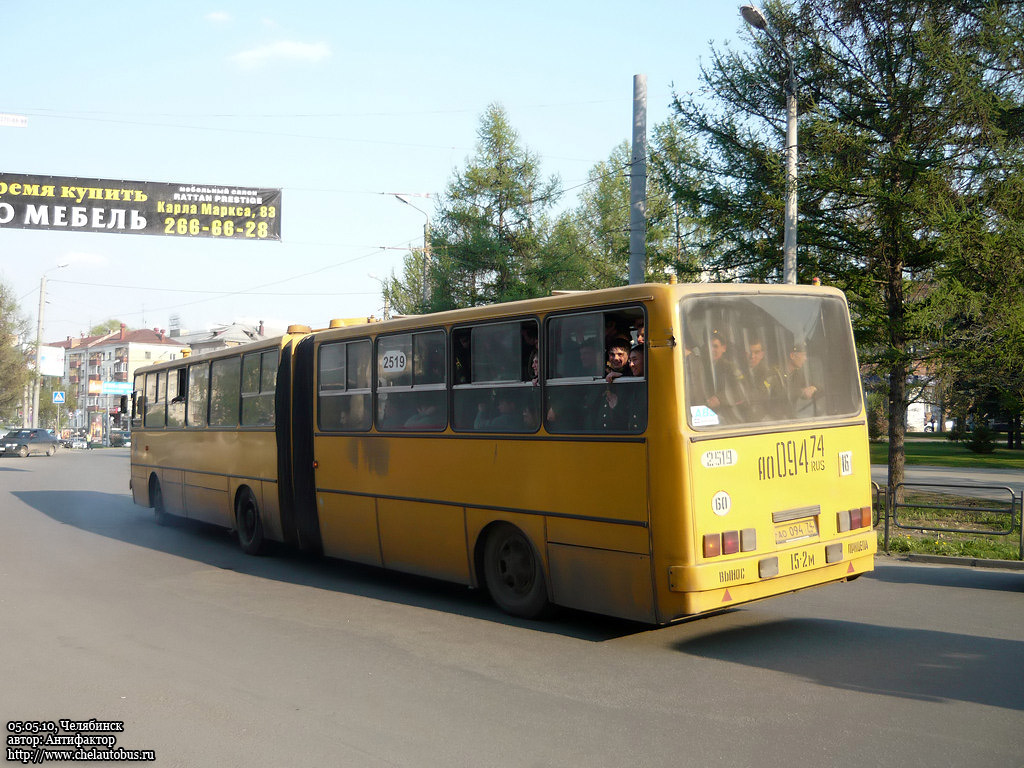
753,16
403,196
39,348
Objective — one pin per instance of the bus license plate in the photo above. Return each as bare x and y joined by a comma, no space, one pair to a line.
796,530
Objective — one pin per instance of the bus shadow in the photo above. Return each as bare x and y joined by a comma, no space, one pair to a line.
117,517
957,576
923,665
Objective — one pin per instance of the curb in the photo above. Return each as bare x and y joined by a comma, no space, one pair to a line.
970,562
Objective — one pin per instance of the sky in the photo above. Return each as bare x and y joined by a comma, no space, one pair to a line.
338,104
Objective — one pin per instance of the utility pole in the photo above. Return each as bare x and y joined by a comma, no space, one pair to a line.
638,183
39,353
753,16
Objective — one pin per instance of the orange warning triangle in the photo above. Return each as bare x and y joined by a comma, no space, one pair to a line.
726,597
850,569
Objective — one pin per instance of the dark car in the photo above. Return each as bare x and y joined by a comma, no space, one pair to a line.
22,442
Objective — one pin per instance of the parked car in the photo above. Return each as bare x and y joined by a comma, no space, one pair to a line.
22,442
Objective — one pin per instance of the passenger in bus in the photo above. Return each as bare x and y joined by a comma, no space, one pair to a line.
534,368
759,378
613,328
617,363
636,360
726,397
802,393
613,409
528,331
695,374
618,408
428,416
509,416
461,354
639,331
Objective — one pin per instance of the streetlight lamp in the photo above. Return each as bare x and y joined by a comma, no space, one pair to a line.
753,16
404,197
39,346
383,292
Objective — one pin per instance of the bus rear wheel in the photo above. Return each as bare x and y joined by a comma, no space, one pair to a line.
248,523
156,500
513,573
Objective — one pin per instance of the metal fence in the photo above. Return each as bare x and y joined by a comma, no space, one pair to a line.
924,507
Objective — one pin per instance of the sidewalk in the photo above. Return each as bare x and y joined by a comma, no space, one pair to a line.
968,562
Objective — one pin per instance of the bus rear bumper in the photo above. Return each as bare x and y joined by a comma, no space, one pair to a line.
714,586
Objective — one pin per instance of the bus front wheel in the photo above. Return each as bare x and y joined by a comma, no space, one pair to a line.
248,523
513,573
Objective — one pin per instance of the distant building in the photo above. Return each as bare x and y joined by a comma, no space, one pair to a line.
221,337
96,366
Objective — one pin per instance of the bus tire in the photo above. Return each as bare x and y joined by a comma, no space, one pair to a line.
513,573
156,501
248,523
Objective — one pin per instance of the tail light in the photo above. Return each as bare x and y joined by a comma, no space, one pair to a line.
852,519
730,542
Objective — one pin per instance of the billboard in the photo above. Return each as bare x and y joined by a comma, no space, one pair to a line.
51,361
95,387
71,204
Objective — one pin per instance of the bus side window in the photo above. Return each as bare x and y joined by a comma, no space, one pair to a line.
577,395
259,382
343,395
177,387
494,391
198,395
574,366
155,414
225,391
411,382
138,402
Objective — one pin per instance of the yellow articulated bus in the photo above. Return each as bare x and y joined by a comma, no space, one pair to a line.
649,452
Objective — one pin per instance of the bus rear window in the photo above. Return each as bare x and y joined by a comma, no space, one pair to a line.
754,359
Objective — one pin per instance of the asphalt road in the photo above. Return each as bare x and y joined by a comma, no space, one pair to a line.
210,657
960,479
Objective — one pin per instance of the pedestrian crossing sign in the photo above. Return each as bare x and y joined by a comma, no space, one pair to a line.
58,397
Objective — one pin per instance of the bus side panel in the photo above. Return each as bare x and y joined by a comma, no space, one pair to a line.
348,527
605,480
599,535
172,486
207,498
612,583
425,539
270,509
140,479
